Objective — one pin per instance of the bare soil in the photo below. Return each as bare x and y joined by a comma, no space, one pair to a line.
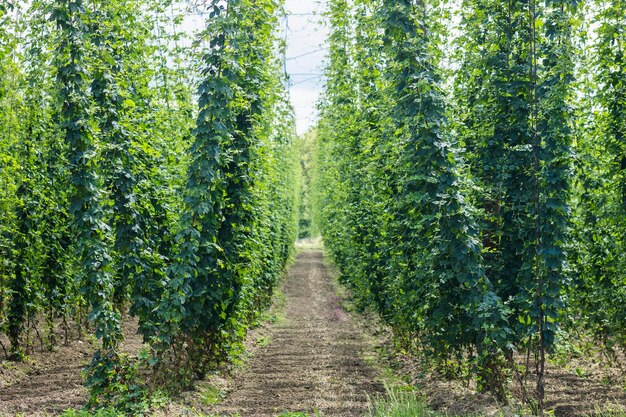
48,383
312,360
585,384
315,358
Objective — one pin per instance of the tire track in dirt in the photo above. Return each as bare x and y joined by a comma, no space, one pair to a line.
315,359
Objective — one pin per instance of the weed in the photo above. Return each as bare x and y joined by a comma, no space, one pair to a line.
400,402
263,341
211,395
581,372
611,410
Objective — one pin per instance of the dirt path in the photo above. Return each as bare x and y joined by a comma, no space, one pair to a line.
314,361
315,358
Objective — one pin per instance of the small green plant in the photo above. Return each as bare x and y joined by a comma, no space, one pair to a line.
159,399
401,401
263,341
113,381
581,372
211,395
610,410
398,403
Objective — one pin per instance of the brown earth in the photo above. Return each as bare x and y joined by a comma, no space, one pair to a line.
583,384
315,359
48,383
312,360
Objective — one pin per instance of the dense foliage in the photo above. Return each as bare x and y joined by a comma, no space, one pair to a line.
599,204
481,212
307,148
419,261
239,224
470,183
114,205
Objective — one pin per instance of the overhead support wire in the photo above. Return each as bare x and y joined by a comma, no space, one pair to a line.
307,54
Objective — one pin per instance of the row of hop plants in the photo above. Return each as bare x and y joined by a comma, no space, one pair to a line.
127,191
463,176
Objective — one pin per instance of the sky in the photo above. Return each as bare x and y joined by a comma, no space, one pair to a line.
305,30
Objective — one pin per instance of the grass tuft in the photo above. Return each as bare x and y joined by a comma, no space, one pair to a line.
401,402
211,395
611,410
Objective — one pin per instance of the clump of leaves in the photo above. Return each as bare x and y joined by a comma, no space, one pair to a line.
114,382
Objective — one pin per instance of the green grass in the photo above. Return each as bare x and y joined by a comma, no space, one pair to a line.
211,395
402,402
399,403
273,314
263,341
610,411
